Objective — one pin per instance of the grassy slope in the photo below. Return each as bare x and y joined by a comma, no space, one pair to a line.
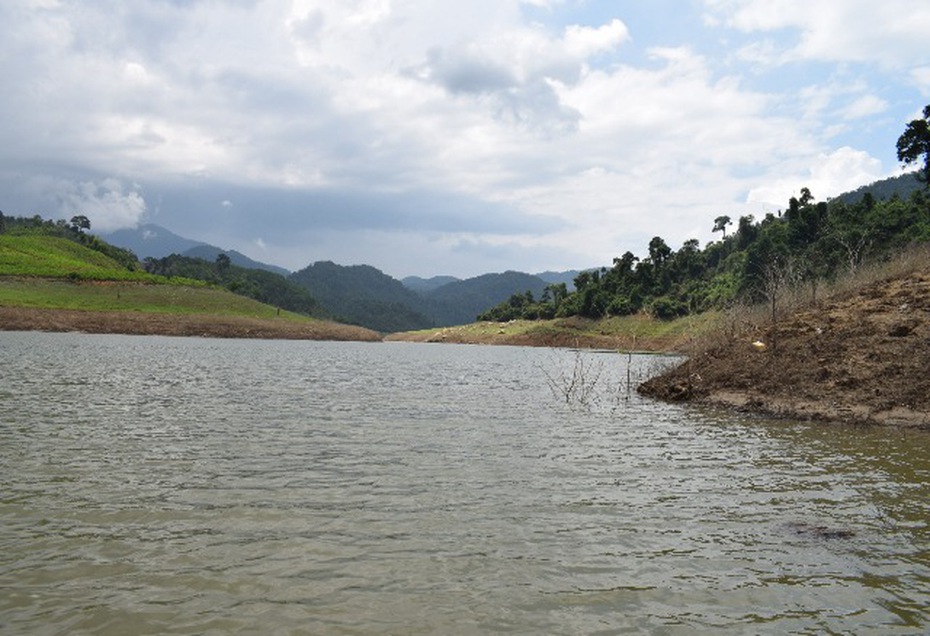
54,257
50,273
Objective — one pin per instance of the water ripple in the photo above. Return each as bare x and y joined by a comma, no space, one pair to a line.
161,485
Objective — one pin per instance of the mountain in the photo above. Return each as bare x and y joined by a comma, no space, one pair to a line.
554,278
460,302
903,186
150,240
426,285
209,253
364,295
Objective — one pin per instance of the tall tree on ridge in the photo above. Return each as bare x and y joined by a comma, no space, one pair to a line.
914,144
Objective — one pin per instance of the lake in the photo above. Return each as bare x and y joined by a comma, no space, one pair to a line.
153,485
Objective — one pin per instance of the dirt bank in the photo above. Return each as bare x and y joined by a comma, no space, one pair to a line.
125,322
629,333
863,357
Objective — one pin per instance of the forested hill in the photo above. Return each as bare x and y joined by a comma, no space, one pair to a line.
754,260
461,301
426,285
364,295
902,187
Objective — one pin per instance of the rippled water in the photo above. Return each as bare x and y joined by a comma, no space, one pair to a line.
197,486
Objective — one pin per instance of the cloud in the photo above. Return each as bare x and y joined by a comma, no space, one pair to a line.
108,204
840,171
865,106
892,32
432,130
583,42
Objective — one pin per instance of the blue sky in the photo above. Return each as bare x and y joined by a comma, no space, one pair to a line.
436,137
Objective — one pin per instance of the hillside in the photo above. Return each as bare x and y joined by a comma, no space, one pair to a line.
426,285
364,295
460,302
863,355
53,256
53,283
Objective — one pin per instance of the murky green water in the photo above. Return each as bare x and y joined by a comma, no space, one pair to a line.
195,486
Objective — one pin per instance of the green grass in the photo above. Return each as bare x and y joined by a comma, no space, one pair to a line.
54,257
55,273
132,296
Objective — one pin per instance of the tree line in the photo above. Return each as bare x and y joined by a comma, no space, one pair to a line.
261,285
806,243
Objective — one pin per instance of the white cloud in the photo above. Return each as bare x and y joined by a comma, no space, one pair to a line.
892,32
583,42
865,106
109,204
841,171
921,79
498,134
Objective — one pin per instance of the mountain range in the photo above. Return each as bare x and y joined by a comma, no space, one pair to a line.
366,296
362,294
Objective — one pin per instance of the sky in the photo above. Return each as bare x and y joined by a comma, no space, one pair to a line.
433,137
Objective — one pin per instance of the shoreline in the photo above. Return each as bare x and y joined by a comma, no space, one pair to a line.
169,324
815,411
859,357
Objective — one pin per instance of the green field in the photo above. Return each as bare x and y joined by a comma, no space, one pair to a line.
54,257
54,273
129,296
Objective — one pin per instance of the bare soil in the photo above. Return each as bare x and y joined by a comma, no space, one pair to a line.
128,322
862,357
574,332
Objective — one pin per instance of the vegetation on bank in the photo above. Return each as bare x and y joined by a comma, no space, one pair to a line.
258,284
120,295
808,244
856,354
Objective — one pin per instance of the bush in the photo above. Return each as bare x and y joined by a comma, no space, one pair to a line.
666,308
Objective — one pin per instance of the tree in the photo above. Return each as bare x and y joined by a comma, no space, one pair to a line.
914,145
222,263
659,251
80,223
721,223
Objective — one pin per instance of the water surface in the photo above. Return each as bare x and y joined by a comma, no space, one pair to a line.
154,485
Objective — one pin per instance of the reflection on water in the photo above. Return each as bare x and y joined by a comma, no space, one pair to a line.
159,485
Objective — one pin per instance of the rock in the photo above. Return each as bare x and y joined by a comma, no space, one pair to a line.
900,331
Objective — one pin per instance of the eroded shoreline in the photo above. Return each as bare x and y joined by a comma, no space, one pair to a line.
169,324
